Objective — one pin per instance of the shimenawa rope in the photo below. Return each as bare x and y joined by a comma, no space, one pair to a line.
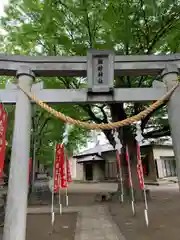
102,126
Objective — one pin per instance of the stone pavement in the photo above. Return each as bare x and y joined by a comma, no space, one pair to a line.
93,223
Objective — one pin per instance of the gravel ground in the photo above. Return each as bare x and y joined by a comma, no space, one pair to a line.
164,217
39,227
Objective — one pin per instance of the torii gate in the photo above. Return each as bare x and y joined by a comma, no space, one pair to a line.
100,68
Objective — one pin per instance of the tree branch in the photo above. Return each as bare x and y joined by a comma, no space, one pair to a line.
43,125
88,24
141,80
87,108
145,21
128,81
62,4
66,83
167,26
105,118
40,134
110,137
165,131
146,119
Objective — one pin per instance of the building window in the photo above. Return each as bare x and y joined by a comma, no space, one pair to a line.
169,167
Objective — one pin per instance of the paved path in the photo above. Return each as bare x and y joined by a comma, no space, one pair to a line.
95,223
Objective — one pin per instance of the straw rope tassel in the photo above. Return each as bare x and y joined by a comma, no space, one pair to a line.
101,126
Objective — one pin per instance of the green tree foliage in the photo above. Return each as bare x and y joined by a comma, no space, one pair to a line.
70,27
48,131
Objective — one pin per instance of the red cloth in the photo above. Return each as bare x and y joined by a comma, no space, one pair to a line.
139,168
68,170
56,169
129,168
63,183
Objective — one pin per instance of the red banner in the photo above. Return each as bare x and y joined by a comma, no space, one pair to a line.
139,168
59,169
63,183
68,170
3,126
56,170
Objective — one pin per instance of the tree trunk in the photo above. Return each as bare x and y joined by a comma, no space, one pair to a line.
127,139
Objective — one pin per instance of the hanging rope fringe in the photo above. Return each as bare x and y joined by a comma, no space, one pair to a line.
101,126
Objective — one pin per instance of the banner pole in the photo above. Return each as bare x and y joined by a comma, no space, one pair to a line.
118,147
65,142
52,200
139,138
67,198
118,158
130,181
60,204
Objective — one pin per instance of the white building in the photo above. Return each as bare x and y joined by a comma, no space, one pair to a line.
99,163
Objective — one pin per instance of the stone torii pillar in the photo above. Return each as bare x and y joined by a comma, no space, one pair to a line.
170,75
16,208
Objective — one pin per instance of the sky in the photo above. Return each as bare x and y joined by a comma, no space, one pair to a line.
2,4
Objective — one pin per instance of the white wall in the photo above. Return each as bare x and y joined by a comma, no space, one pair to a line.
162,152
77,170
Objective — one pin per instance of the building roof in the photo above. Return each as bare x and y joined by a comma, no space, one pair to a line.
98,149
90,158
95,150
